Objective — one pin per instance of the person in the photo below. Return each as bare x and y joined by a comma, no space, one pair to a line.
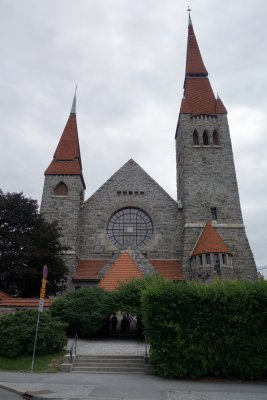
124,325
113,321
129,319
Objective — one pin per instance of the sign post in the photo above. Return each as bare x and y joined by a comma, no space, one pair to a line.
40,309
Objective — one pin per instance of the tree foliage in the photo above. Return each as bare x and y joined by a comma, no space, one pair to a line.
86,311
17,333
27,243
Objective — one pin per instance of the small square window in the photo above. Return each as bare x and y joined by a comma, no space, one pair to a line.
124,193
142,193
136,193
130,192
118,192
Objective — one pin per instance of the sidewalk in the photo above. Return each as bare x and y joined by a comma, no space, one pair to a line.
81,386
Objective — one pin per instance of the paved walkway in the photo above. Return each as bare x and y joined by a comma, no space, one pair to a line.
82,386
110,347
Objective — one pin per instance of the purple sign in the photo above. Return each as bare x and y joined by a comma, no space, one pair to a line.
45,272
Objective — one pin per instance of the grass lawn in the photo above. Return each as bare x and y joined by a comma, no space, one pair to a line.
47,363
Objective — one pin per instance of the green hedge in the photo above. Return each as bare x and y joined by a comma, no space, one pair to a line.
17,333
218,329
85,311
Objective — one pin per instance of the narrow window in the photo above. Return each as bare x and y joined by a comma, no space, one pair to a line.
207,258
215,138
195,138
200,260
217,265
61,189
224,258
213,212
205,138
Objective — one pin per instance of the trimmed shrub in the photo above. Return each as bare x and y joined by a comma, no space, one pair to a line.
17,333
86,311
218,329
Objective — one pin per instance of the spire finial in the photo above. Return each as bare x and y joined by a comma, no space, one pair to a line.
189,16
73,107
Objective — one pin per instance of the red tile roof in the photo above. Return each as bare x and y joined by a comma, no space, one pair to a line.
88,269
194,62
210,241
24,302
198,98
170,269
4,295
123,269
67,157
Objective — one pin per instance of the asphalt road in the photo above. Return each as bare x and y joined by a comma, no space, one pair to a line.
6,395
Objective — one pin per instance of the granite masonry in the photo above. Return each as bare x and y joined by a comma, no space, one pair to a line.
201,236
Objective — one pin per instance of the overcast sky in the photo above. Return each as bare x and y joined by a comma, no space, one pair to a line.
128,59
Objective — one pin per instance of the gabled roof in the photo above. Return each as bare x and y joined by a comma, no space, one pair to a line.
67,157
170,269
88,270
210,241
123,269
198,97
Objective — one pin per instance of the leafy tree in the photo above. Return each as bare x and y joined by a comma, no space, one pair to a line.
17,332
86,311
27,243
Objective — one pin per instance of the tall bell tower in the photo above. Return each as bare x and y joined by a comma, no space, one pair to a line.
214,239
63,191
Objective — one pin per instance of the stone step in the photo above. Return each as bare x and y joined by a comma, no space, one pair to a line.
110,358
109,364
108,369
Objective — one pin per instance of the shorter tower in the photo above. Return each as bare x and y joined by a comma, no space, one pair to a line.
206,180
63,190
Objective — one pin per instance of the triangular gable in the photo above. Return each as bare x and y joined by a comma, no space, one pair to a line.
132,175
123,269
210,241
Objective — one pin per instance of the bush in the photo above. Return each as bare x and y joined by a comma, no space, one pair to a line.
218,329
17,333
86,311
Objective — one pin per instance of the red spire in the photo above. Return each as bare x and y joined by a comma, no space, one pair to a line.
198,98
210,241
67,157
194,62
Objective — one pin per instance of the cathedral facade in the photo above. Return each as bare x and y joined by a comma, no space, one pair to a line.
131,227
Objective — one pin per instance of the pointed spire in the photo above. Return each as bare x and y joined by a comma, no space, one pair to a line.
67,157
194,62
73,107
210,241
189,16
198,98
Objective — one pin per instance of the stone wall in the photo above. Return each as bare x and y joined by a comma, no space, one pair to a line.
130,186
206,178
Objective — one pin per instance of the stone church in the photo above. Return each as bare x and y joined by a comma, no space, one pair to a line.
131,227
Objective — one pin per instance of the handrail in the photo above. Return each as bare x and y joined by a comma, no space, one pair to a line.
73,348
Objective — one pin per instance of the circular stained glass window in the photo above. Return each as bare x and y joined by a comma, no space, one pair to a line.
130,228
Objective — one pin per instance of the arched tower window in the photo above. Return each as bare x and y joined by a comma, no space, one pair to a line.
195,138
61,189
205,138
215,138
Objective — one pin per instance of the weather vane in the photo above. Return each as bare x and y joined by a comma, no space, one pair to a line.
189,9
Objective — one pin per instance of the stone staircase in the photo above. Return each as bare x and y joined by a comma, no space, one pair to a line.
109,364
